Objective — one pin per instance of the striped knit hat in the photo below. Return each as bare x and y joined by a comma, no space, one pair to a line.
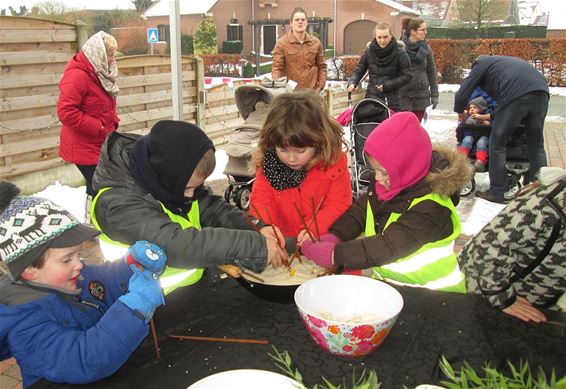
31,225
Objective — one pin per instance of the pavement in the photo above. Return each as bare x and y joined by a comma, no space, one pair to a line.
555,145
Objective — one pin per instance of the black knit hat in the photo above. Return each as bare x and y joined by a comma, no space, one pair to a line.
175,149
30,225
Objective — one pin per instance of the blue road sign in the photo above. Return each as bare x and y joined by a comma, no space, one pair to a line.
152,35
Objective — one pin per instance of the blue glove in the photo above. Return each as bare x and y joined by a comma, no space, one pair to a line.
148,255
144,293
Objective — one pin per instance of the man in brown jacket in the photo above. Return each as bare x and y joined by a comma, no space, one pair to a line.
298,55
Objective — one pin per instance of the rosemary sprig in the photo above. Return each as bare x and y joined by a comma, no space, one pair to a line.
364,381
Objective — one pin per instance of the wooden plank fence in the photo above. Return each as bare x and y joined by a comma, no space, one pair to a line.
33,55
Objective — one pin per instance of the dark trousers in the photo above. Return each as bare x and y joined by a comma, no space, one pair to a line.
88,172
531,108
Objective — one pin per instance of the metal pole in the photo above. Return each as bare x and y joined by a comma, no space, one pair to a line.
334,28
176,66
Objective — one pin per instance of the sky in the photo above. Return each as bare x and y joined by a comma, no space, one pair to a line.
555,6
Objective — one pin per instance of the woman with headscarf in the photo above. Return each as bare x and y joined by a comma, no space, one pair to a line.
87,104
422,91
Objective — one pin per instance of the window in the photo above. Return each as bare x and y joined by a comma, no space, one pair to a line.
234,32
163,32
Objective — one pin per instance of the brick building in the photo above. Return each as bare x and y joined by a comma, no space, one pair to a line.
343,24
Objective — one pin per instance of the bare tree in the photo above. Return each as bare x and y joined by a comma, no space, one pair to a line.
479,11
54,10
142,5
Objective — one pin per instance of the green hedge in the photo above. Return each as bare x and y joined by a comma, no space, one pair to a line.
232,47
187,46
487,32
249,69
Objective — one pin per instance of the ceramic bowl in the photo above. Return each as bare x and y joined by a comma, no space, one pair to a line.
246,379
348,315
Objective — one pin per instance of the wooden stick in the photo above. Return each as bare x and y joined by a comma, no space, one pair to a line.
247,273
250,221
314,218
303,221
270,220
317,208
226,340
154,335
328,271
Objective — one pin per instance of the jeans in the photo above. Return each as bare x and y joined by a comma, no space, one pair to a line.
481,144
531,108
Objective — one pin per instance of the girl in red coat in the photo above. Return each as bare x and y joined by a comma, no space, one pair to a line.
87,104
301,164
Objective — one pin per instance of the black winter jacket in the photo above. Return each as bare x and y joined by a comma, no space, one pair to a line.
391,70
503,78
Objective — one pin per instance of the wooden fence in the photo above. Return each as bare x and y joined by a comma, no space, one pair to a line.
33,55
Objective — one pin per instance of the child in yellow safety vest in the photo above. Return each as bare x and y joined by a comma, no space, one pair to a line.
408,214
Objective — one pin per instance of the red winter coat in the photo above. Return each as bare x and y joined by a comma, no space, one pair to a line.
332,182
87,112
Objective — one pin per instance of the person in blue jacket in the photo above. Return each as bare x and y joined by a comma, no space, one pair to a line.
522,95
61,319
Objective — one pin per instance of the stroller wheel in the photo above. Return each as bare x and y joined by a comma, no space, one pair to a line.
514,188
468,188
228,193
243,198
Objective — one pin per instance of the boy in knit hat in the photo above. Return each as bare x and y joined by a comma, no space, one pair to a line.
408,213
152,187
476,125
61,319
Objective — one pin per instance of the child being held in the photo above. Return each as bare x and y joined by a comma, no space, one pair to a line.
64,320
476,124
301,167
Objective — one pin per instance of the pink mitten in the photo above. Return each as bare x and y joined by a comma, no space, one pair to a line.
319,252
330,238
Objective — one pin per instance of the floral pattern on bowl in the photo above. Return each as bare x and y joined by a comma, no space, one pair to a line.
349,340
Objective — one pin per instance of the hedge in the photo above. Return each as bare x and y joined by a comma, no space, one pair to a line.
232,47
547,55
487,32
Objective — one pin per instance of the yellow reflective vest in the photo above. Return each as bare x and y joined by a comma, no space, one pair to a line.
172,278
433,265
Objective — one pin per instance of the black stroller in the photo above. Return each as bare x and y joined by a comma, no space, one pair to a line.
517,163
253,104
366,115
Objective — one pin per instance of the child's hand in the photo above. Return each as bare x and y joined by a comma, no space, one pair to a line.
268,232
351,88
523,309
276,256
321,253
302,236
144,293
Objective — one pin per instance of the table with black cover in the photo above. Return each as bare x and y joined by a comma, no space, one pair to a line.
431,324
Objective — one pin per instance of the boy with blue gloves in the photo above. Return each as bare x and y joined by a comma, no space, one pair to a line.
61,319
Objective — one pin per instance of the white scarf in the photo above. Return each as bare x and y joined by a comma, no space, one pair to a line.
95,51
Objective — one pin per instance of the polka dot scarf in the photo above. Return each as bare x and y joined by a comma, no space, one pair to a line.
279,175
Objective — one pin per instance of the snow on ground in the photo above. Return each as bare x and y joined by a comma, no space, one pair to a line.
474,212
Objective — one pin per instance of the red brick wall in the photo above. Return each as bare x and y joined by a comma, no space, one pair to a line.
347,12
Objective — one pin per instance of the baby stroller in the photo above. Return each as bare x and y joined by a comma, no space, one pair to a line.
253,103
366,115
517,163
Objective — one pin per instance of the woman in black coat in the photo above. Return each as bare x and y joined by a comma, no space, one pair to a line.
388,67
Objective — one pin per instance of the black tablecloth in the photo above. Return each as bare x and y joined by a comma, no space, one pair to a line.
431,324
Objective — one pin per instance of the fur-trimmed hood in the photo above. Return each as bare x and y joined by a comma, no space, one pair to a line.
449,171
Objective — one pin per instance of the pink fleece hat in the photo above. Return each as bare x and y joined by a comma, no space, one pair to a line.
402,146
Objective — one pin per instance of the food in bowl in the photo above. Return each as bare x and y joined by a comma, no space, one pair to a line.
348,315
300,272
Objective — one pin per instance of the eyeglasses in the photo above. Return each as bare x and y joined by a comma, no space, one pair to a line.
421,29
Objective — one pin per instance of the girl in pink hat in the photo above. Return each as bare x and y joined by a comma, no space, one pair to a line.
408,216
